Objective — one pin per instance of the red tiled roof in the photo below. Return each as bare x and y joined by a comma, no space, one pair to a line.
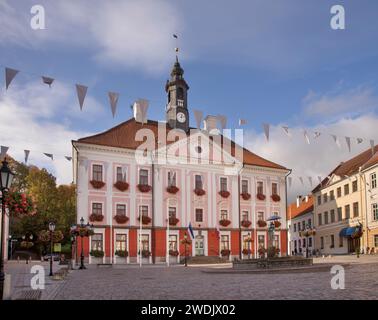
304,207
123,136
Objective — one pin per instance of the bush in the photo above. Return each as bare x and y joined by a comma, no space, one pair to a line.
97,253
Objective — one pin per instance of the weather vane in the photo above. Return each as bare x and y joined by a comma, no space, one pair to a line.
176,49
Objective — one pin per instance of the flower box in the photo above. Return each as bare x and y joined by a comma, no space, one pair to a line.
246,251
121,253
260,196
186,242
225,252
261,223
144,188
173,221
145,219
199,192
172,189
276,197
96,217
277,224
246,223
146,254
224,194
224,222
121,218
245,196
97,253
97,184
261,251
44,236
121,185
26,244
19,203
173,253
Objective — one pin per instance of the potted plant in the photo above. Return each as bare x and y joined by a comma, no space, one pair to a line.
224,194
261,223
144,187
121,253
145,219
199,192
277,224
173,221
246,223
172,189
245,195
261,252
121,218
246,251
276,197
97,184
224,222
186,242
97,253
94,217
121,185
146,253
260,196
225,252
173,253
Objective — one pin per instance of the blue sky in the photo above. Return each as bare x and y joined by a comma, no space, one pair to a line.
263,60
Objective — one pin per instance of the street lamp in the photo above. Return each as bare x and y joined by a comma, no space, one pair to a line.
309,231
186,240
51,229
6,178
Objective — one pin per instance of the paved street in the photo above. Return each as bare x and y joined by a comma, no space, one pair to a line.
157,282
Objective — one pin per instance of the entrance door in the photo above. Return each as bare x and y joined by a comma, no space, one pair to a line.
199,246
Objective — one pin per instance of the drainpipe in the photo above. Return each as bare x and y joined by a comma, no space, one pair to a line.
287,230
77,213
363,180
153,235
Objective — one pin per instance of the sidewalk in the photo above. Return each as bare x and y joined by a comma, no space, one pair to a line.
347,259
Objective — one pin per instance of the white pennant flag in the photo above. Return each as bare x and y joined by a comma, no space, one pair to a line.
49,155
359,140
290,180
81,93
47,80
306,136
9,76
286,129
266,130
347,139
317,134
242,122
4,151
26,152
222,120
336,139
113,98
301,180
68,158
372,146
310,181
198,115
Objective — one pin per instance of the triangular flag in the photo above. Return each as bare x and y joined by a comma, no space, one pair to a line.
359,140
372,146
198,115
190,228
26,152
4,151
310,180
81,93
336,139
68,158
286,129
290,180
49,155
306,136
223,121
113,98
9,76
47,80
266,130
347,139
301,180
242,122
317,134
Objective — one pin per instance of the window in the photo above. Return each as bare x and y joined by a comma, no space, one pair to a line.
295,244
260,215
339,214
198,181
96,208
299,226
341,241
274,188
276,241
224,215
96,242
143,177
373,180
244,186
143,211
326,217
261,241
171,179
172,212
332,241
224,245
332,195
376,241
120,174
320,219
172,242
199,215
355,210
295,227
145,239
325,197
354,186
97,172
375,211
223,184
120,242
346,189
244,215
339,192
303,225
332,216
347,211
310,242
246,242
321,243
304,243
260,187
319,200
121,209
309,222
299,244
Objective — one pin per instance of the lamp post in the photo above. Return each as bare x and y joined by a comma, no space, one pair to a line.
6,178
51,229
186,242
309,231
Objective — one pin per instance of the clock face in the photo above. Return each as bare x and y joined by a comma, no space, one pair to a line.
181,117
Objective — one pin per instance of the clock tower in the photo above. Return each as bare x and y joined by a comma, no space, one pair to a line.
177,114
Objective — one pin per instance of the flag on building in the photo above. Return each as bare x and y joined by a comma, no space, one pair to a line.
190,228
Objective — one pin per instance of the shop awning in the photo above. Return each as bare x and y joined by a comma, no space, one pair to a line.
348,232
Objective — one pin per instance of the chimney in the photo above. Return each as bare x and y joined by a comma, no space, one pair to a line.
140,110
298,201
210,124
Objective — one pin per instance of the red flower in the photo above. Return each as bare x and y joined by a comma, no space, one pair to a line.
173,221
121,185
260,196
224,194
144,187
97,184
276,197
172,189
246,223
224,222
96,217
199,192
145,219
245,196
261,223
121,219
